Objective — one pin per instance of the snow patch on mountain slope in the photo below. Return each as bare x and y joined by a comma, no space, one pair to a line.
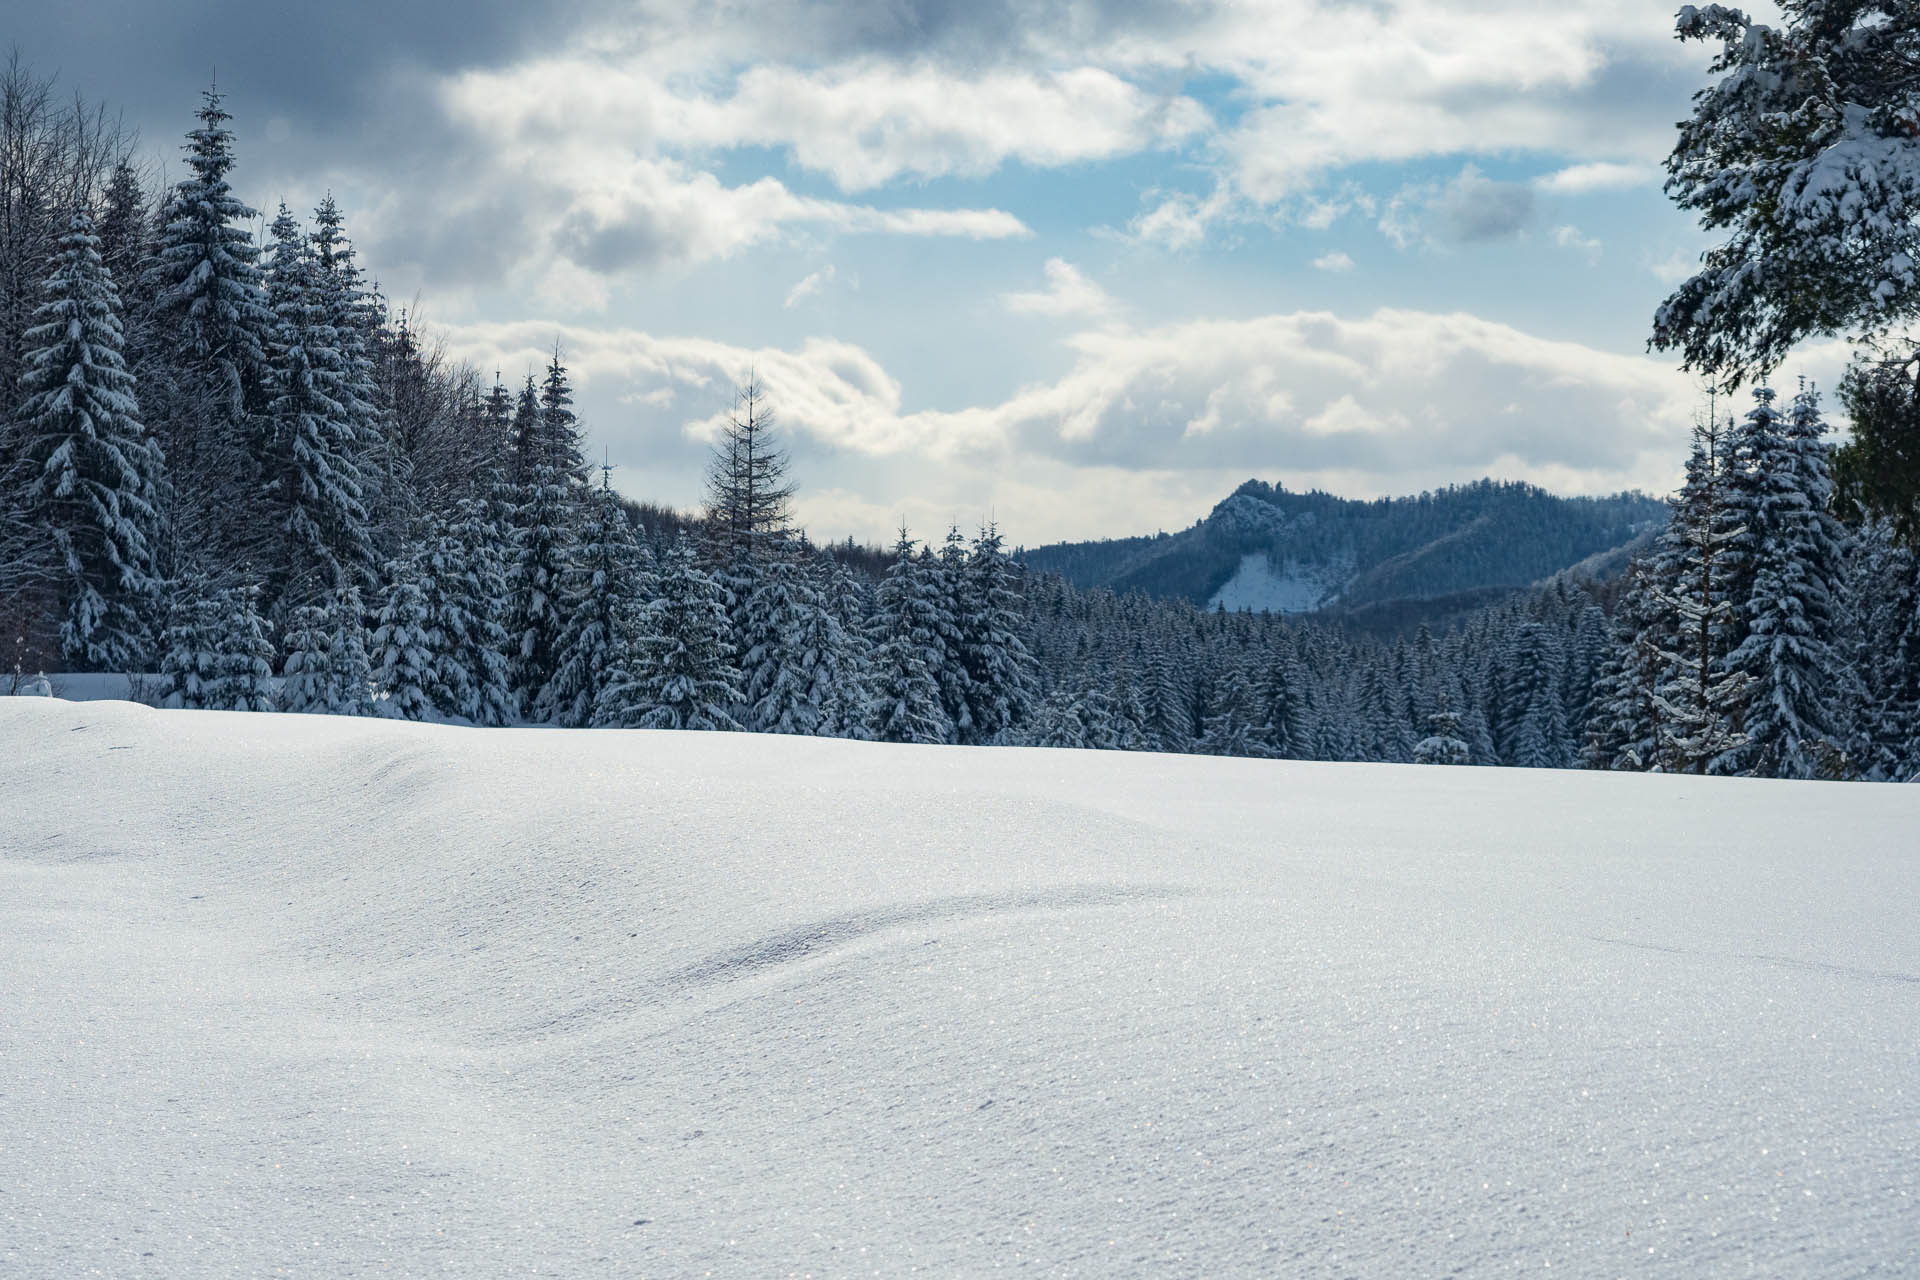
1258,586
325,996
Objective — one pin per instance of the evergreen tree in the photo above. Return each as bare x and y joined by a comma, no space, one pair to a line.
313,481
307,678
210,311
601,584
466,594
1443,743
676,670
906,646
1700,705
795,652
1623,722
352,670
350,311
92,472
1229,727
1793,557
1000,682
243,656
190,652
403,649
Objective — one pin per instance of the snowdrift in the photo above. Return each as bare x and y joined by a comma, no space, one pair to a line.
300,995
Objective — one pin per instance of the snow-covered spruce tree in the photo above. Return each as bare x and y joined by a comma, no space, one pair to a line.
904,633
954,586
1792,556
546,519
1806,154
352,690
1535,721
1623,723
1056,723
348,306
1443,743
794,652
602,582
190,647
306,670
1000,679
404,646
1283,732
676,670
1230,723
847,707
466,596
209,313
92,469
1700,705
308,457
543,551
243,656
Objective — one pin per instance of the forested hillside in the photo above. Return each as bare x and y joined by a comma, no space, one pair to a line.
1266,547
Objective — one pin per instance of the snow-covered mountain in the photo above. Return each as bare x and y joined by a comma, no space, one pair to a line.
328,996
1264,547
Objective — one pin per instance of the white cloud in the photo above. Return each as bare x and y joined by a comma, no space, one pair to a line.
808,286
1468,208
1572,238
1068,293
1390,402
1579,179
1334,260
1675,267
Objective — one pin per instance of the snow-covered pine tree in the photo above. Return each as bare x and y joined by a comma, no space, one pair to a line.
93,471
1230,723
1000,679
306,671
1623,723
352,691
348,306
466,596
905,632
1057,722
1793,557
788,635
209,312
1443,743
1282,731
601,584
677,670
1536,725
847,704
313,480
243,656
953,586
190,648
1700,705
543,554
403,646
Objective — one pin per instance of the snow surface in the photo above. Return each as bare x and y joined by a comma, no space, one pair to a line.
321,996
1256,585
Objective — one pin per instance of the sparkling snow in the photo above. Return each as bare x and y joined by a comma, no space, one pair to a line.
315,996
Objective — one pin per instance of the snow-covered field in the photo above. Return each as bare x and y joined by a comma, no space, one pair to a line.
323,997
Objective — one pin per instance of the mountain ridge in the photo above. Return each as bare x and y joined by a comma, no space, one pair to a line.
1269,548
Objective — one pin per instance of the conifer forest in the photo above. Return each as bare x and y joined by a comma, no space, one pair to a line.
239,475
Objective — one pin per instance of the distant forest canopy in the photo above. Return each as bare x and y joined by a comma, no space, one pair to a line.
1458,539
230,471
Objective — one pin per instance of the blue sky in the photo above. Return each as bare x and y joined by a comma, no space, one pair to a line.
1080,267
